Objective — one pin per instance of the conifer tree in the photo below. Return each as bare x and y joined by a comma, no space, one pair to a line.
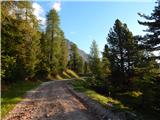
53,41
20,36
122,49
64,53
76,62
149,68
80,65
151,41
94,60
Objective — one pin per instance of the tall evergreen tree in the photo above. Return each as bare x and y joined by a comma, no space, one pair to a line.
54,57
149,69
53,40
30,29
121,50
151,42
64,53
75,62
80,65
94,60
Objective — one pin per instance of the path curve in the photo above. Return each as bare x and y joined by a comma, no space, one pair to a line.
50,101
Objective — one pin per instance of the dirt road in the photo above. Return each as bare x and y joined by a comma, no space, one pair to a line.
50,101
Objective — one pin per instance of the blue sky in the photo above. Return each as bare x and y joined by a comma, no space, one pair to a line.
83,22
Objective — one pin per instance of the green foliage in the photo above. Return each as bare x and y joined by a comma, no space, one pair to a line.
121,50
7,67
25,51
20,40
53,41
55,50
100,70
151,40
105,67
86,68
76,62
64,55
81,65
94,60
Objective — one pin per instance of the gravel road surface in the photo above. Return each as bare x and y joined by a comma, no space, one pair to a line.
50,101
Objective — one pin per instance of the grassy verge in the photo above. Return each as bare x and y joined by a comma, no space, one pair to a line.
67,74
14,94
107,102
72,73
128,101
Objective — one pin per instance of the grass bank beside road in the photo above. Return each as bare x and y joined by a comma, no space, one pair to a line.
105,101
127,102
14,94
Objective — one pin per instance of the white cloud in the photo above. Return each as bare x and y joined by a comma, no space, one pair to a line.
57,6
39,13
72,33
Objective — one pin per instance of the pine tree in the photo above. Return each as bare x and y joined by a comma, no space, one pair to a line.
29,50
74,59
94,60
53,41
80,65
64,53
43,68
149,69
76,62
105,66
122,52
122,49
151,42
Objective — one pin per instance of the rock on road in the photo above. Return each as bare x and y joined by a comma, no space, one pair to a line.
50,101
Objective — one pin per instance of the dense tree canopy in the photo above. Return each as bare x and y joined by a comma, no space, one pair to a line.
20,39
26,51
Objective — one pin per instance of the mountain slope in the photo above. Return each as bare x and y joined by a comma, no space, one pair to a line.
81,52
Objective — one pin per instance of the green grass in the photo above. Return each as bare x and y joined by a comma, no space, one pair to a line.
134,94
72,73
107,102
66,75
58,77
14,94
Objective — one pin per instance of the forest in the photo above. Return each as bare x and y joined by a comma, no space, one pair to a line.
128,70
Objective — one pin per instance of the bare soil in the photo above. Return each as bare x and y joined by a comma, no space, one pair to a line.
50,101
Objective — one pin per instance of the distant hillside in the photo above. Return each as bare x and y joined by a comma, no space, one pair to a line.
81,52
